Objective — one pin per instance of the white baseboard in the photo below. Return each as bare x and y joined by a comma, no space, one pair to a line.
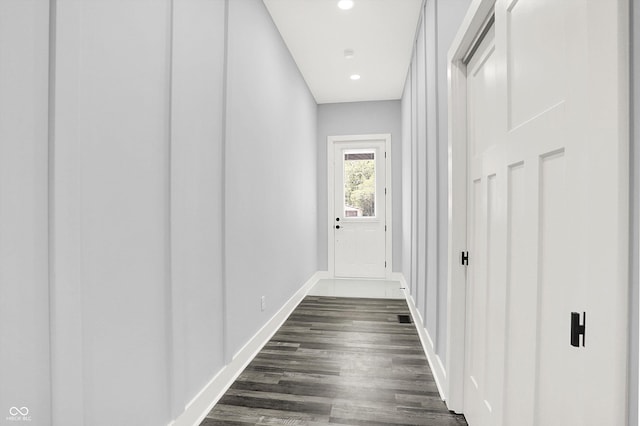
437,367
322,275
399,276
201,405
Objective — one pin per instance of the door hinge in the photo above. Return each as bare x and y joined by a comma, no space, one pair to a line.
385,263
385,154
385,228
385,191
464,258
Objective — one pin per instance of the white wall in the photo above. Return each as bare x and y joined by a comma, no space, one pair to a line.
420,183
111,218
270,163
425,168
24,293
406,160
172,188
197,134
634,201
360,118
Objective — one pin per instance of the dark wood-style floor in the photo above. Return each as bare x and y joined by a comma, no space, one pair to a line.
338,361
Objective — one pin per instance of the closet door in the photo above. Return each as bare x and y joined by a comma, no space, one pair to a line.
547,216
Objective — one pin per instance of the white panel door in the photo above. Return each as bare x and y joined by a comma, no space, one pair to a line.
547,223
484,306
567,136
359,209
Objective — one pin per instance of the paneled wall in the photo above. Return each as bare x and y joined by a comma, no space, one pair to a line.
407,195
424,172
111,169
634,200
24,286
152,187
197,167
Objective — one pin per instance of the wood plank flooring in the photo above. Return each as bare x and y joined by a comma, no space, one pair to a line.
338,361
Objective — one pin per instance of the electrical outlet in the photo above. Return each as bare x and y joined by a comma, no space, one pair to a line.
263,303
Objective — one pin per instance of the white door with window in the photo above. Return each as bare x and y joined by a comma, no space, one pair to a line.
358,237
547,207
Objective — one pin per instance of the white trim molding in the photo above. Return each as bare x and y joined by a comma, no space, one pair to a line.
198,408
331,140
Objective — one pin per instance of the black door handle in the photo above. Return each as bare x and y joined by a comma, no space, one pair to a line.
578,329
337,226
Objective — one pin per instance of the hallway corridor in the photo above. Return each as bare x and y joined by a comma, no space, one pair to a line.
212,212
338,361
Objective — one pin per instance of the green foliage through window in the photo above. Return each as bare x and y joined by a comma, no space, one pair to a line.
360,186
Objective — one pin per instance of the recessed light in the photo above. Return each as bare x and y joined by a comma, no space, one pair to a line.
349,53
345,4
355,77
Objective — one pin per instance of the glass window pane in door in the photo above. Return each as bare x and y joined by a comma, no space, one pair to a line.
359,184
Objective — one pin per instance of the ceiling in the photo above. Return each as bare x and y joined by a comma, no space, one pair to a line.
380,32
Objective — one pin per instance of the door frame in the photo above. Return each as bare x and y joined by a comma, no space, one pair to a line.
467,37
331,142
